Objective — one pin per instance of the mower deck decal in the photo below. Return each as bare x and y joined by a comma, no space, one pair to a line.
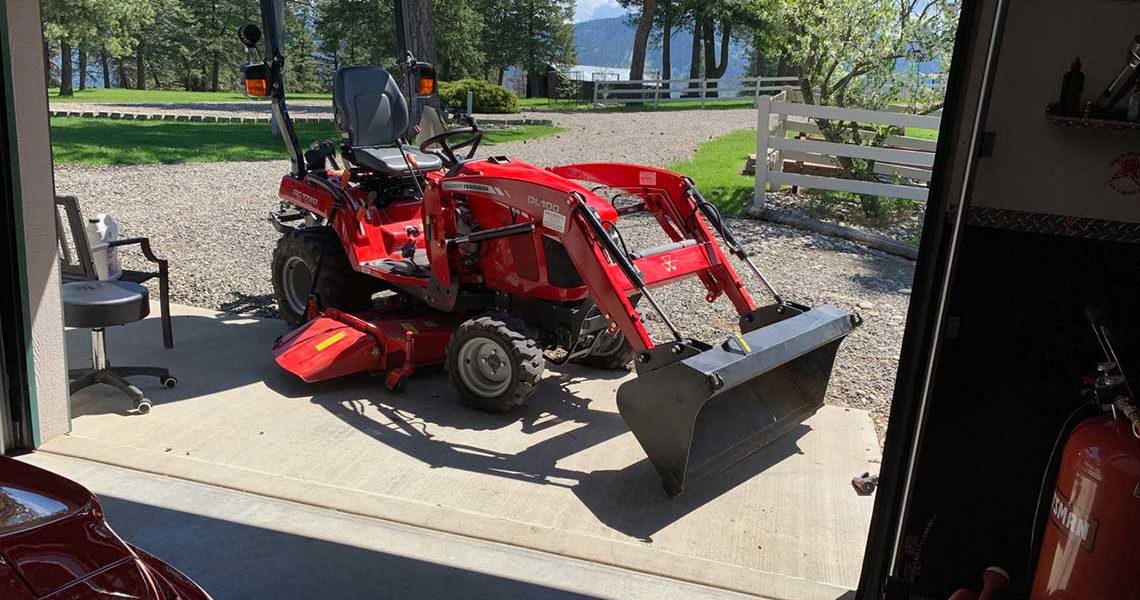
332,339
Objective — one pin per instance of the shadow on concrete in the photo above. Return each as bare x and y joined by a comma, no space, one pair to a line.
214,354
233,560
631,500
254,305
239,344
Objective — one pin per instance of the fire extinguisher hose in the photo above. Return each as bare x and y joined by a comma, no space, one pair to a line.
1078,413
1128,409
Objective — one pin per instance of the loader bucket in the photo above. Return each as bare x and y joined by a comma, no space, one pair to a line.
714,406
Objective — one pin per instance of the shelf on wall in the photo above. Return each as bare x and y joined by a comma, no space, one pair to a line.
1092,123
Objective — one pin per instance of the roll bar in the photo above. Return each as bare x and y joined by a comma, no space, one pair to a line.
273,23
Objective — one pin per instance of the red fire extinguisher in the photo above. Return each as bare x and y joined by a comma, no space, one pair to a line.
1090,549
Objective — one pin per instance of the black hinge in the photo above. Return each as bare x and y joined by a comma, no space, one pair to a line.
986,145
952,328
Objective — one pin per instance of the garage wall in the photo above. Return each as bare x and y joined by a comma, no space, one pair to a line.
1037,166
1046,236
35,191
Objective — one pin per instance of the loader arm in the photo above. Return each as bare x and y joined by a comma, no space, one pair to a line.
666,196
569,213
705,406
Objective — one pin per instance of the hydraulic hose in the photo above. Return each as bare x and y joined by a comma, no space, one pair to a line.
712,213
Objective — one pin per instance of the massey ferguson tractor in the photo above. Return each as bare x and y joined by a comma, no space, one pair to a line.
487,266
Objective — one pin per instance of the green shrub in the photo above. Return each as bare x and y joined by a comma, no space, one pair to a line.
489,98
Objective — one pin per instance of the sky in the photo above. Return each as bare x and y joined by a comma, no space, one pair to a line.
596,9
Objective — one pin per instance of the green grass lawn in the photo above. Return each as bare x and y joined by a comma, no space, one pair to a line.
923,134
716,166
111,142
121,96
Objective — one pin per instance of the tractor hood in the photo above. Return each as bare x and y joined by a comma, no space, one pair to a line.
524,172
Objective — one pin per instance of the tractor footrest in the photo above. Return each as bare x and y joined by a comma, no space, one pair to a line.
413,267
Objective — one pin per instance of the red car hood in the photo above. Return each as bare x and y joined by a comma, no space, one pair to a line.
53,534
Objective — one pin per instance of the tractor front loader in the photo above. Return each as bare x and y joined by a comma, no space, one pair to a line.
492,266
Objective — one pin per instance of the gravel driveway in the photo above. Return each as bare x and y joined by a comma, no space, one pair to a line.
210,219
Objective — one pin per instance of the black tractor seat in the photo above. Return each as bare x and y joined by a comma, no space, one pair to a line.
372,116
386,160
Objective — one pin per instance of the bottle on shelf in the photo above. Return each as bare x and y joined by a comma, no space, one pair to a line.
1072,86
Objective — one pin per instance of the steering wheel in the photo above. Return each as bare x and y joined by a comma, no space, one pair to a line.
447,151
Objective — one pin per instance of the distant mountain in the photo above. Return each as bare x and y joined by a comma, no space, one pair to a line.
609,43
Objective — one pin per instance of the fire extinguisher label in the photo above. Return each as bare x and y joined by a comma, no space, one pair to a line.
1072,523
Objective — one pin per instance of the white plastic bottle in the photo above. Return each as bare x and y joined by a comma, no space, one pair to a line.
101,230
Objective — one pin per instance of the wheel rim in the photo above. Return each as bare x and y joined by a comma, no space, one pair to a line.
297,279
484,367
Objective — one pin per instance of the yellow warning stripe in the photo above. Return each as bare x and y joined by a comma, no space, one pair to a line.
332,339
743,344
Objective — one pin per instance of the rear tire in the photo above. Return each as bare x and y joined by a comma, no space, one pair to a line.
494,362
295,260
611,352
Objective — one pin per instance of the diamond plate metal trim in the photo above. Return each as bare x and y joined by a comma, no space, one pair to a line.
1030,222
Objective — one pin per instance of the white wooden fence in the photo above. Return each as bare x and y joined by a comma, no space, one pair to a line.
906,158
656,91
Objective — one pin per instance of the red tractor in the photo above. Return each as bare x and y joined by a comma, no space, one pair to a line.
488,264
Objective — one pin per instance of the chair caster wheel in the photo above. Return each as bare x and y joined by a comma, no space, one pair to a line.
143,406
169,382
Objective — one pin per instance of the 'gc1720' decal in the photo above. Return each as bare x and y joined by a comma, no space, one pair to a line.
306,199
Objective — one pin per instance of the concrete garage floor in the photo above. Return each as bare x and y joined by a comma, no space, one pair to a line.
561,475
235,544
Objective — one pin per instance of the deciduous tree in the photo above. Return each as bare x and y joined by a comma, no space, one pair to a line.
866,54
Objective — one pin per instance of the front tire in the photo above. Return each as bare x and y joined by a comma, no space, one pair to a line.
295,261
494,362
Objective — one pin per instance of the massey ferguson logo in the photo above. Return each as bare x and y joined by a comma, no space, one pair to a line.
463,186
1127,178
1080,528
668,263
